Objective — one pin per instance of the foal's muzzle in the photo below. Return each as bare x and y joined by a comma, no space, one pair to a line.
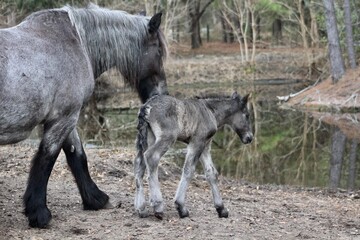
247,138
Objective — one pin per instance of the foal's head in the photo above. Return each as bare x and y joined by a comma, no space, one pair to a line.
240,120
151,78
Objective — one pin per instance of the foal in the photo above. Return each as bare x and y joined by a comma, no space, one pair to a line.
165,119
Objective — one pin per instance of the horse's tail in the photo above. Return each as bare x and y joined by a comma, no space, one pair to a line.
142,127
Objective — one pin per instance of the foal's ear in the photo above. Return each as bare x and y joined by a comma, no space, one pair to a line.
155,22
235,95
245,98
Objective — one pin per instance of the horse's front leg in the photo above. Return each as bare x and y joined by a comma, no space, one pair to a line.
212,177
93,198
42,164
193,153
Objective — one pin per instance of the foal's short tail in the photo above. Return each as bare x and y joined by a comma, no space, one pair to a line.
142,127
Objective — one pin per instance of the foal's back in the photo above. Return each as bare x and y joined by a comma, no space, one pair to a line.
183,118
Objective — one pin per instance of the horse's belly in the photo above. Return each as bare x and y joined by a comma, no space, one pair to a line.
17,122
9,138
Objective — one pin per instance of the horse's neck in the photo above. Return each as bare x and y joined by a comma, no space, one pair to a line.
111,38
221,109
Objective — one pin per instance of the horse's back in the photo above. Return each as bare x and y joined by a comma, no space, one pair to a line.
42,65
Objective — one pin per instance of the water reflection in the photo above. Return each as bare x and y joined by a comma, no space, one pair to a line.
290,147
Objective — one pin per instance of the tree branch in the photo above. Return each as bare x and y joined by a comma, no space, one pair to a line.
203,10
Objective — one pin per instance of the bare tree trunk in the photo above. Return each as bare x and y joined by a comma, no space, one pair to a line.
314,31
195,14
277,30
349,34
223,26
258,28
336,160
336,60
352,165
303,24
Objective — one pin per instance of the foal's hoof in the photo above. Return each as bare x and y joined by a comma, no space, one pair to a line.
183,212
39,218
143,213
222,212
159,215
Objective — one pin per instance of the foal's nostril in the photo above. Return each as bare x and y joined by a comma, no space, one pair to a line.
248,138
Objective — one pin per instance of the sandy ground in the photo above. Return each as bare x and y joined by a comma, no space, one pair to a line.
256,212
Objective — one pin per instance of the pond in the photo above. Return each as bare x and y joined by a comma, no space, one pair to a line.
290,147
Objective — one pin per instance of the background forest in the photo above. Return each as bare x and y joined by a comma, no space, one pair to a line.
251,23
218,46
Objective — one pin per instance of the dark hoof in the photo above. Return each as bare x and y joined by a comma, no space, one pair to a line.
98,200
183,212
39,218
222,212
159,215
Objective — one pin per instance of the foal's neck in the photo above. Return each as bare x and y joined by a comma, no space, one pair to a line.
221,108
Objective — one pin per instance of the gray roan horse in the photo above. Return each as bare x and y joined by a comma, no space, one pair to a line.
162,121
48,64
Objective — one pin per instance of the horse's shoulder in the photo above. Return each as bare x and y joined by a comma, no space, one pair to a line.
49,23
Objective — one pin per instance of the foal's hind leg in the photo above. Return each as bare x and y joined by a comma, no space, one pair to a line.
152,158
139,171
42,164
93,198
211,176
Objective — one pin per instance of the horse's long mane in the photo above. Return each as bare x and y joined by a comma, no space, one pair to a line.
112,38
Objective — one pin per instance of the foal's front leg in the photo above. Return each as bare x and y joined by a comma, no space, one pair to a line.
193,153
212,177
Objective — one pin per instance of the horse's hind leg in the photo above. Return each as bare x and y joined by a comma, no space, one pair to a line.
42,164
93,198
212,177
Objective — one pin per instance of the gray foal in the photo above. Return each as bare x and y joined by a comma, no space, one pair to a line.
165,119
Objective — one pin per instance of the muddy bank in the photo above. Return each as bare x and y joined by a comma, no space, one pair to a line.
342,97
256,212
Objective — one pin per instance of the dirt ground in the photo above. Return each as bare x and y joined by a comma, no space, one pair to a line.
256,212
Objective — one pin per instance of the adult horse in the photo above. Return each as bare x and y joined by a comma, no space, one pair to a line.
48,64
